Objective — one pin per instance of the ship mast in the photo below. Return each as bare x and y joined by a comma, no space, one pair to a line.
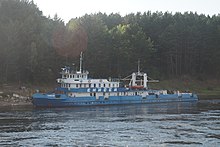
138,66
80,64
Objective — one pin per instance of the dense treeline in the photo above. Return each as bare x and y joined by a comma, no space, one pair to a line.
34,47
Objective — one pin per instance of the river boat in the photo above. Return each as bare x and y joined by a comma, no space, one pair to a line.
77,89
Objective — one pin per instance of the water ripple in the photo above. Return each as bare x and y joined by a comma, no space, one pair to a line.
176,124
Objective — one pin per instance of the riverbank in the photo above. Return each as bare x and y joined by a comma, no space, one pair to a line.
14,94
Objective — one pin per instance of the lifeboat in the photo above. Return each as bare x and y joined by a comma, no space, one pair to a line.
137,87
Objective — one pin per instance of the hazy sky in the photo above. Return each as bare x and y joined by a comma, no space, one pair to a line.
67,9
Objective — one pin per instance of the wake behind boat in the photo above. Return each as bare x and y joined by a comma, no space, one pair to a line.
77,89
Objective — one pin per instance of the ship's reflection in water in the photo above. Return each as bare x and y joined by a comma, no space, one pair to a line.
164,124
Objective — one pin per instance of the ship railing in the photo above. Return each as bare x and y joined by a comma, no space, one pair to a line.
83,72
114,80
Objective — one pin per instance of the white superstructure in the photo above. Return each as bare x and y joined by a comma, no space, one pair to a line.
79,79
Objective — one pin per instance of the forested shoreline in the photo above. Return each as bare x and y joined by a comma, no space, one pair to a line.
34,47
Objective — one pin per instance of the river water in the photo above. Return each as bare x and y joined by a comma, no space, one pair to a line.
164,124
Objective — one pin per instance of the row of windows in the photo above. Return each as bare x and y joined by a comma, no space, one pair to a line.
96,85
74,76
89,85
65,85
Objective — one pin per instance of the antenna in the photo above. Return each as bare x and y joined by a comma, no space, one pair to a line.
138,65
80,65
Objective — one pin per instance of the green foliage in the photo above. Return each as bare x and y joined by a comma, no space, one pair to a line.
26,48
34,47
130,44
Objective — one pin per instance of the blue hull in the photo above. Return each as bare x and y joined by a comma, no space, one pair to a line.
61,100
